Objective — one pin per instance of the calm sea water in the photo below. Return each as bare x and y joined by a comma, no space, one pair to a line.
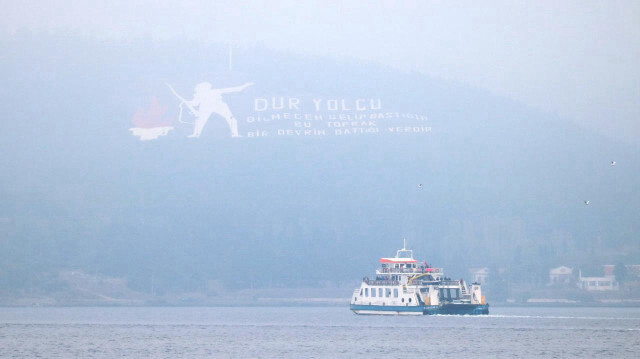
315,332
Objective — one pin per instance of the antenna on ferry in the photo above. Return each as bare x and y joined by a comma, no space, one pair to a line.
405,243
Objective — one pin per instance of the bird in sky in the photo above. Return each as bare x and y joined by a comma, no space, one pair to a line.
420,186
613,163
586,203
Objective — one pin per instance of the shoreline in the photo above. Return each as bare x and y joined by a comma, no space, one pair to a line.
299,304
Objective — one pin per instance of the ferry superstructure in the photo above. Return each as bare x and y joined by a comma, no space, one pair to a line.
403,286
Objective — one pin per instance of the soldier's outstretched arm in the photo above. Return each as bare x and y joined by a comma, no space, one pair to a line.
191,106
236,89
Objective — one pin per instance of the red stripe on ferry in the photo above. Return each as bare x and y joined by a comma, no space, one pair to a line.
385,260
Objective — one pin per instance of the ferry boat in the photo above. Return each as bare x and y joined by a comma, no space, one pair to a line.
403,286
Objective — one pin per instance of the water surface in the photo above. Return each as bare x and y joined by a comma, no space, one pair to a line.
315,332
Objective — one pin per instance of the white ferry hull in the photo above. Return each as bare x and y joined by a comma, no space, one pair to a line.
451,309
386,310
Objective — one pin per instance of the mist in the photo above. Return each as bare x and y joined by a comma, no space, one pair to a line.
338,159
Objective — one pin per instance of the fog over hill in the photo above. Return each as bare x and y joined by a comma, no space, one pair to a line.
318,187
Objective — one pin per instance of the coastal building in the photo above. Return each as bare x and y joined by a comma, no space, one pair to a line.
606,282
560,275
479,275
633,271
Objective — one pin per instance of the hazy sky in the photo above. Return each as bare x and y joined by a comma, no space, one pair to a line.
578,59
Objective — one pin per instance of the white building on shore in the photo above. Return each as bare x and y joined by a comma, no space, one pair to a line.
602,283
479,275
560,275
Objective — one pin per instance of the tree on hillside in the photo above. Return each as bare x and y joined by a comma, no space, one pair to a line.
620,271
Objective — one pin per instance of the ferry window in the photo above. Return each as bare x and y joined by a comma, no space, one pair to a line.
402,300
361,292
395,292
373,292
409,300
366,292
380,292
387,293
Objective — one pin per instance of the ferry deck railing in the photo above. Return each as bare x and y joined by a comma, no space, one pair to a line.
409,270
380,282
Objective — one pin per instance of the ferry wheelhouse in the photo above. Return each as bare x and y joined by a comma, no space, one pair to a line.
404,286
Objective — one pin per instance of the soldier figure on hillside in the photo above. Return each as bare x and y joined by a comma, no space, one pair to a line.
207,101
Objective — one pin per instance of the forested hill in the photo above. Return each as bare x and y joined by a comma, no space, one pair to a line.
337,163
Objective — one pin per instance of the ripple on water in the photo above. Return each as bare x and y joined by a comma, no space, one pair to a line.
313,332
